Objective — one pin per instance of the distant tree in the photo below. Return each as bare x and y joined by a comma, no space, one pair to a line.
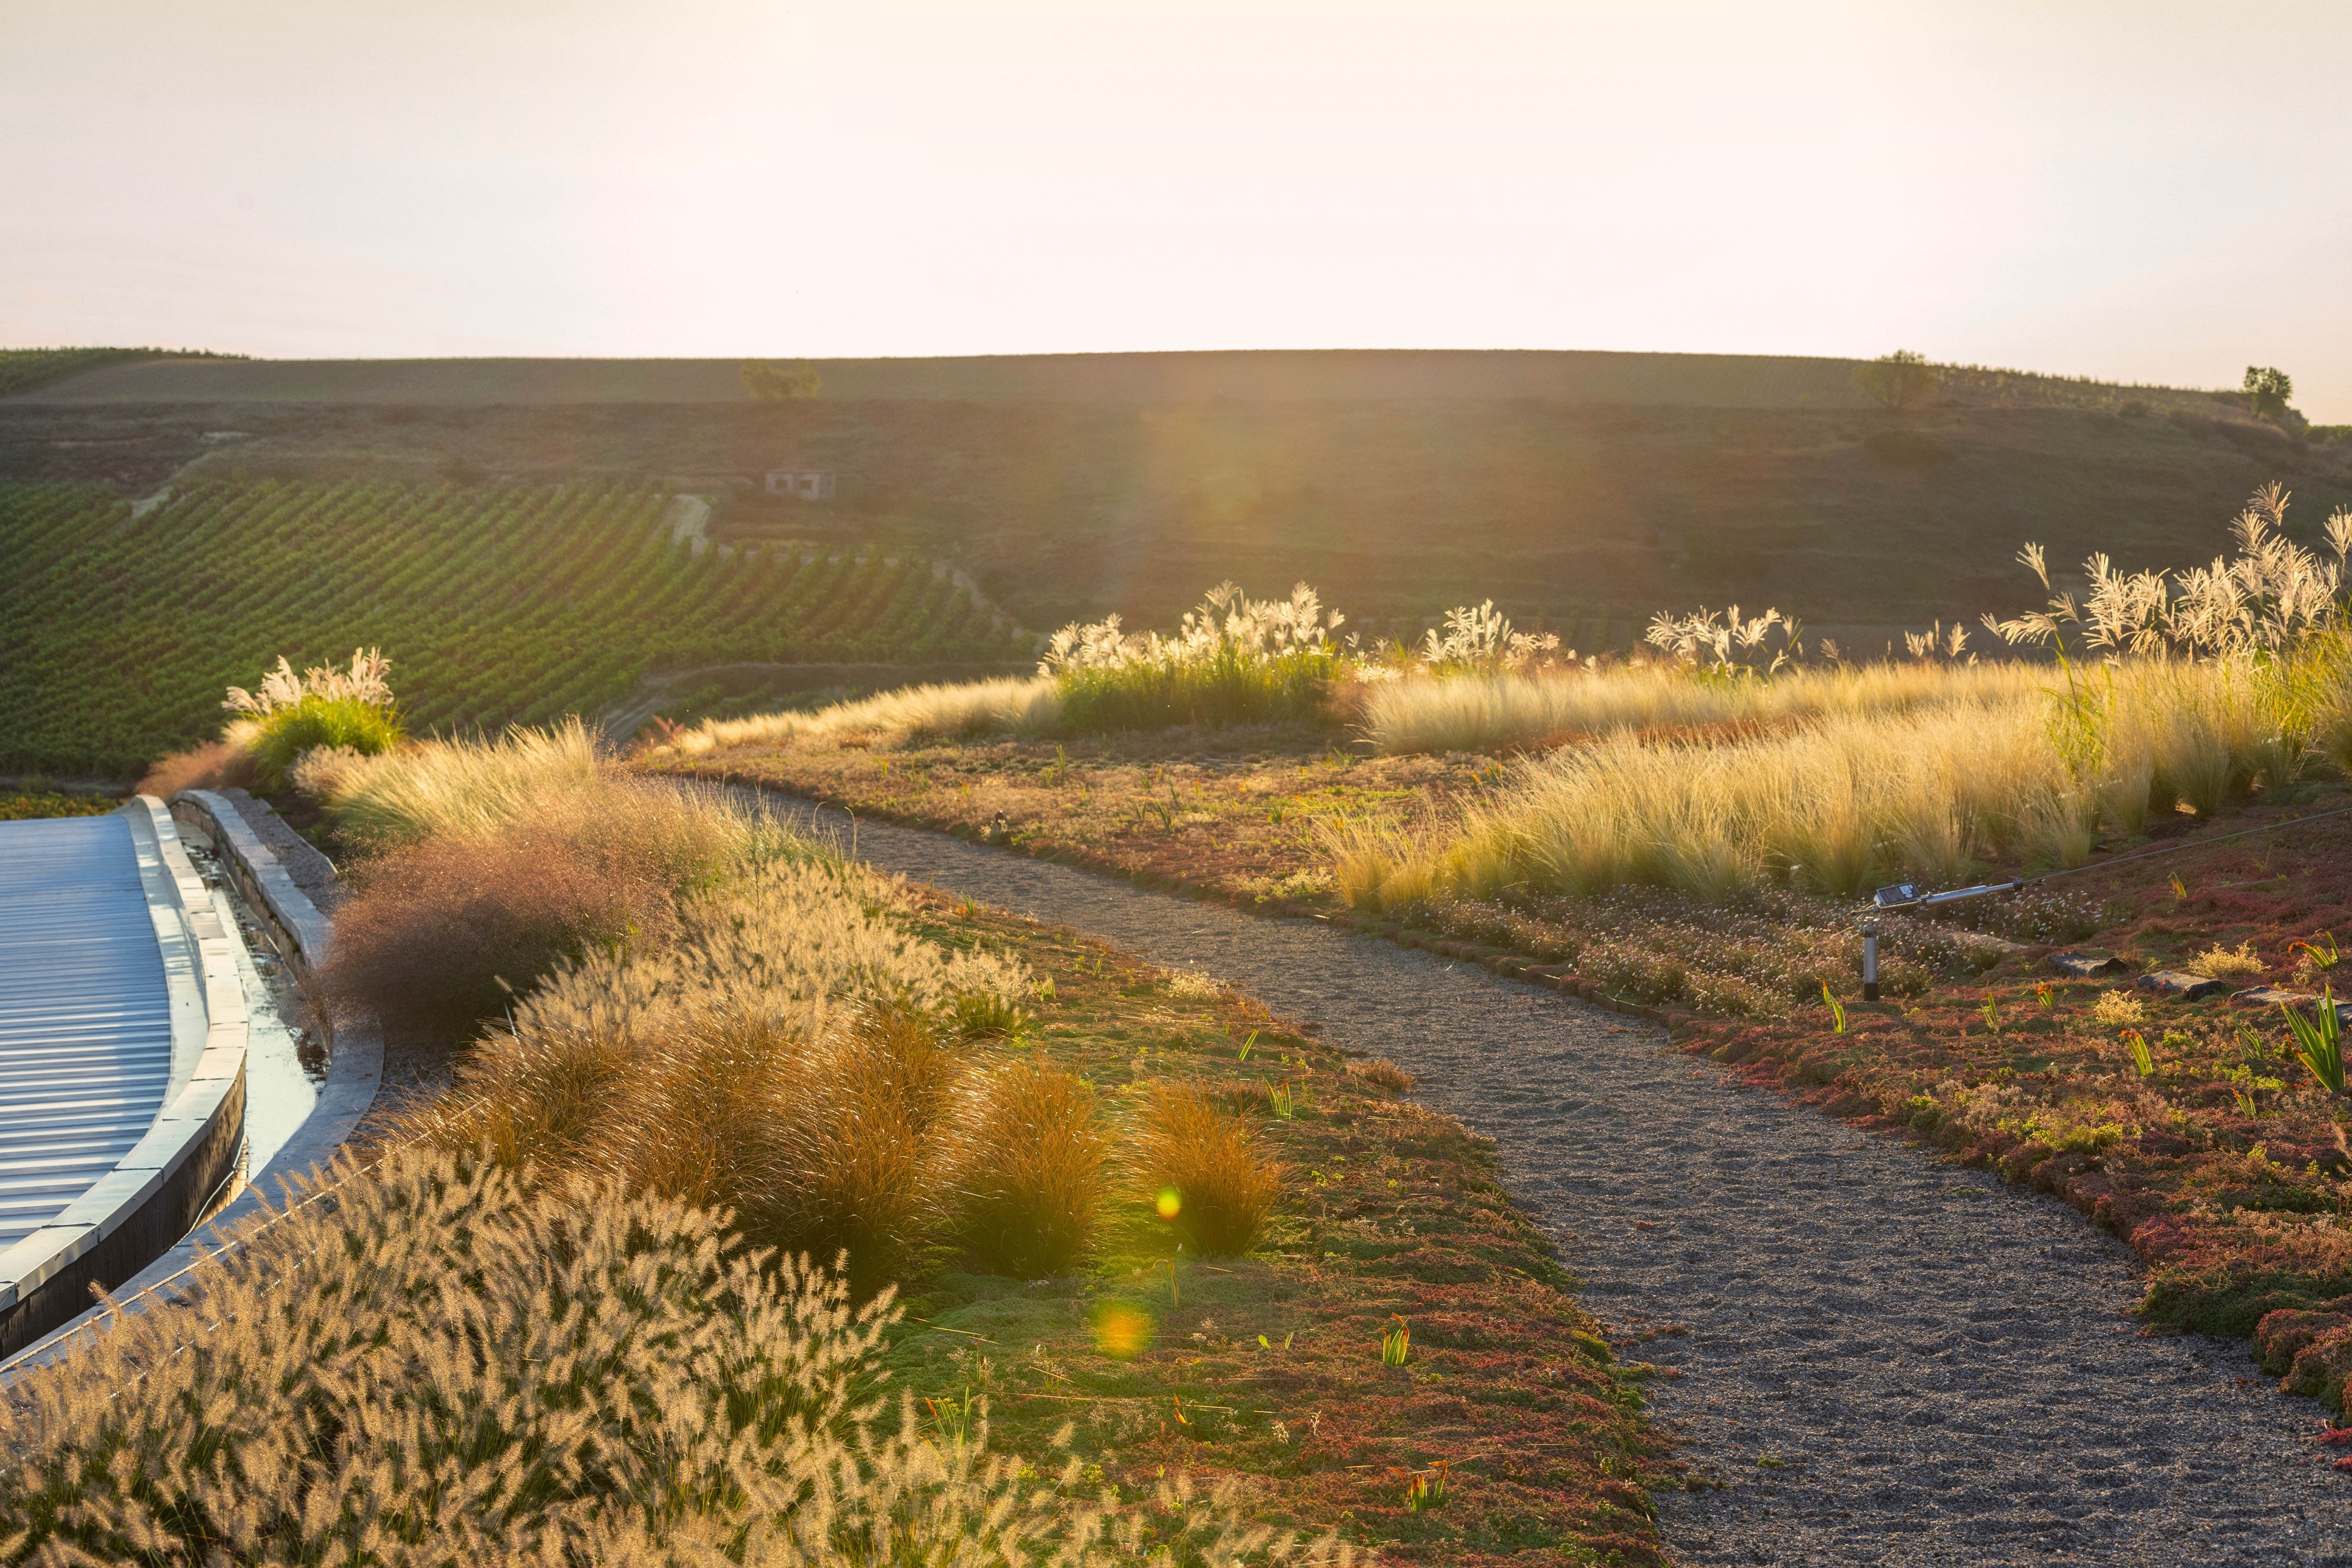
2267,390
1899,380
781,381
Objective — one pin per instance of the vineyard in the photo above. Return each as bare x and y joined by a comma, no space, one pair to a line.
500,605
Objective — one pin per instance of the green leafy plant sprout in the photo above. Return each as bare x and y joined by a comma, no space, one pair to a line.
2143,1062
1990,1014
956,1419
1245,1052
1427,1488
1396,1344
2045,994
2317,1044
1266,1344
2179,888
2317,957
1837,1010
1286,1109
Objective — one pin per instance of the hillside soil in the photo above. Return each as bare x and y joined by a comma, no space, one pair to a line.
2226,1167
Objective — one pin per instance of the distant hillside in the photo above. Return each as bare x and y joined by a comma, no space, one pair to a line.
27,369
1693,381
122,625
1582,492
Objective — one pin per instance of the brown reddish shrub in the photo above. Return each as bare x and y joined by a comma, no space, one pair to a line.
216,764
1203,1167
1034,1181
442,934
2313,1349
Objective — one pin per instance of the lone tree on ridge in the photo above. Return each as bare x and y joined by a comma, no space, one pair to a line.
1899,380
2267,390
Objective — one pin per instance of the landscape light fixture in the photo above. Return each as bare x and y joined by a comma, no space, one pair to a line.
1906,896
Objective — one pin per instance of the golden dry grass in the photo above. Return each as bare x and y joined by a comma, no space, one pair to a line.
1203,1170
1009,705
1038,1173
445,1365
1478,713
2022,766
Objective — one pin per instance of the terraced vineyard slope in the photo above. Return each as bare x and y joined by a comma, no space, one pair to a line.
507,604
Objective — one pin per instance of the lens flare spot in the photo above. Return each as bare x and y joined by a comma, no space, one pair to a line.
1170,1202
1122,1330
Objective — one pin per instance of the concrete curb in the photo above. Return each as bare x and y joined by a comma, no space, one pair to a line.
158,1191
302,935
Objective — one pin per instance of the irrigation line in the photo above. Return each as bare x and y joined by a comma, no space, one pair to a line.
2185,849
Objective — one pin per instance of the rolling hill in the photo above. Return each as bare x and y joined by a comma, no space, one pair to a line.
1582,492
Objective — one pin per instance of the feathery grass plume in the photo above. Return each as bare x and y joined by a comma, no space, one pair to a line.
472,789
1489,712
1480,641
440,1365
1012,705
1037,1173
1234,661
294,714
1223,1185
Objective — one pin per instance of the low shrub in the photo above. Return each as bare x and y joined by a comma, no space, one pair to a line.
28,805
353,1385
1223,1185
1234,661
1037,1173
445,932
279,740
289,714
216,764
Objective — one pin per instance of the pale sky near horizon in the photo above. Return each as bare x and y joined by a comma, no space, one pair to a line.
2154,191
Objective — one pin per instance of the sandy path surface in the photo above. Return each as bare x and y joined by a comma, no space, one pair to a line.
1942,1366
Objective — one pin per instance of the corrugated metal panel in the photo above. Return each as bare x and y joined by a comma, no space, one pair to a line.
85,1021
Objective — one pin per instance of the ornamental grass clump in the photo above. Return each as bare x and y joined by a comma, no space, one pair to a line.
848,1140
292,714
1203,1168
440,1363
1234,661
1036,1173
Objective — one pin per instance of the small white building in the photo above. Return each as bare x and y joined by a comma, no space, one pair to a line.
803,484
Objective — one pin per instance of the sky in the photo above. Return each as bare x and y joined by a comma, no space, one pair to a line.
2143,192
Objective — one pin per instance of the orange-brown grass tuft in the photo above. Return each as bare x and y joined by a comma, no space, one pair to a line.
850,1140
875,1133
1224,1185
216,764
1037,1173
1381,1073
444,931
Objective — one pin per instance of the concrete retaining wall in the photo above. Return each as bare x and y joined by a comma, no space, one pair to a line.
301,935
158,1190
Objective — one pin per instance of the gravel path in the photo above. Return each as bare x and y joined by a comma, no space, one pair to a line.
1941,1364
